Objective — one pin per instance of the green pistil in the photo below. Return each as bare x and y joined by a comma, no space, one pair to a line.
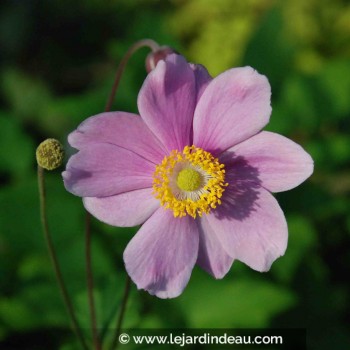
188,180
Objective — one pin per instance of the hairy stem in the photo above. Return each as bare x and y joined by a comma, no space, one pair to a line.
54,260
121,314
138,45
120,70
90,283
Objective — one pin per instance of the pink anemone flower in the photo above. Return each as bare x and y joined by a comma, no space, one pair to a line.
195,169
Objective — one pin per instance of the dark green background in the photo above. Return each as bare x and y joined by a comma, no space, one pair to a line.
57,62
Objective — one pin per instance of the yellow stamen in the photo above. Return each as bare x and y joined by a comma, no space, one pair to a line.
190,182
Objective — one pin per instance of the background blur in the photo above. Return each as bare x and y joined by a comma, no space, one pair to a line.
57,63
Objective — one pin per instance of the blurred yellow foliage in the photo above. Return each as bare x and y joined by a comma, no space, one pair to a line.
320,27
216,33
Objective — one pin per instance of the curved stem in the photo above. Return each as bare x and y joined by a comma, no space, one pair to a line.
121,313
90,282
54,260
138,45
97,343
154,47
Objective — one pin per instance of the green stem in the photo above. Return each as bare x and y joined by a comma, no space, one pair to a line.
120,319
54,260
90,283
139,44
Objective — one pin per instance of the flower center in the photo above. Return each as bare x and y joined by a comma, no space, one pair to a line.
188,179
190,182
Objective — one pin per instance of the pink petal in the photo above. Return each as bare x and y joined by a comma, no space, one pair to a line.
234,106
125,209
251,227
167,100
211,255
121,129
102,170
161,256
281,163
202,78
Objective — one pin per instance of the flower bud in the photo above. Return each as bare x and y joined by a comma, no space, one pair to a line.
155,56
49,154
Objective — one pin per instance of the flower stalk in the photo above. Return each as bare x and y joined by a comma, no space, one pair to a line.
135,47
54,260
121,313
89,274
90,283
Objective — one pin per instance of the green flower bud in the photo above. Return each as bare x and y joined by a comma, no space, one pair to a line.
49,154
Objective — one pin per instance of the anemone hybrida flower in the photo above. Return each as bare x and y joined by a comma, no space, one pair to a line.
195,169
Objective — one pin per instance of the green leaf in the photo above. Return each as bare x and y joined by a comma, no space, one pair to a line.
295,108
302,237
334,81
16,147
27,95
268,51
239,302
338,146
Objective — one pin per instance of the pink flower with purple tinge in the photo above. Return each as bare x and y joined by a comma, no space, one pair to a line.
195,169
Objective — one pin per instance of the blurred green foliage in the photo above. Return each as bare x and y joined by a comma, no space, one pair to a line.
57,62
